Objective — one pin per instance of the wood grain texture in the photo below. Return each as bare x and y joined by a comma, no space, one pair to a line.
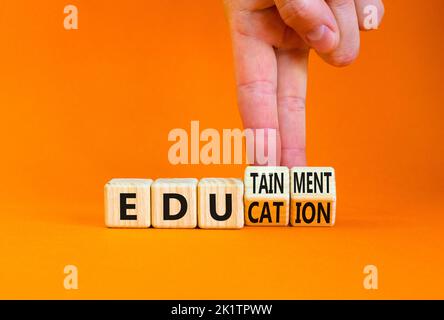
267,196
222,190
140,188
313,196
184,187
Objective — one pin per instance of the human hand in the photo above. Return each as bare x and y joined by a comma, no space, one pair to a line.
271,42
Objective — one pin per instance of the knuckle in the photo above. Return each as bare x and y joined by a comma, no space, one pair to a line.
258,95
257,87
291,104
340,4
295,150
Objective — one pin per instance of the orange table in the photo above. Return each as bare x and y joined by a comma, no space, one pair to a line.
83,106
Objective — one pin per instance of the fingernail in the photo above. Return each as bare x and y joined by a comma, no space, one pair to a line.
321,38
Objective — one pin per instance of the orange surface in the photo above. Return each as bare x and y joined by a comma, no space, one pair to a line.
81,107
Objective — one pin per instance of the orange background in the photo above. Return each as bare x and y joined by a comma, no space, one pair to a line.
81,107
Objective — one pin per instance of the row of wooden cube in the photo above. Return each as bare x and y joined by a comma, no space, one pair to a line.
273,196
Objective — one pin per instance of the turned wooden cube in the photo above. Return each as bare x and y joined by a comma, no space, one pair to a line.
267,196
174,203
221,203
313,196
127,203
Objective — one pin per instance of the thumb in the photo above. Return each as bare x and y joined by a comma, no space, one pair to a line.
313,20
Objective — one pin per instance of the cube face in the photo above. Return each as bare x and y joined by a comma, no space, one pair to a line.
266,196
313,196
174,203
220,203
127,203
319,213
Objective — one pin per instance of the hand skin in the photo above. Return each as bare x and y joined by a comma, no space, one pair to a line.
271,43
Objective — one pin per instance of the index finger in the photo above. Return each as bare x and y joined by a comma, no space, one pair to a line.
256,77
292,90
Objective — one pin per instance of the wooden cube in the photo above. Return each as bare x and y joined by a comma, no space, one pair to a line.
221,203
267,196
127,203
313,196
174,203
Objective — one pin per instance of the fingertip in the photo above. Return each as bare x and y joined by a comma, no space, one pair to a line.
293,158
342,58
